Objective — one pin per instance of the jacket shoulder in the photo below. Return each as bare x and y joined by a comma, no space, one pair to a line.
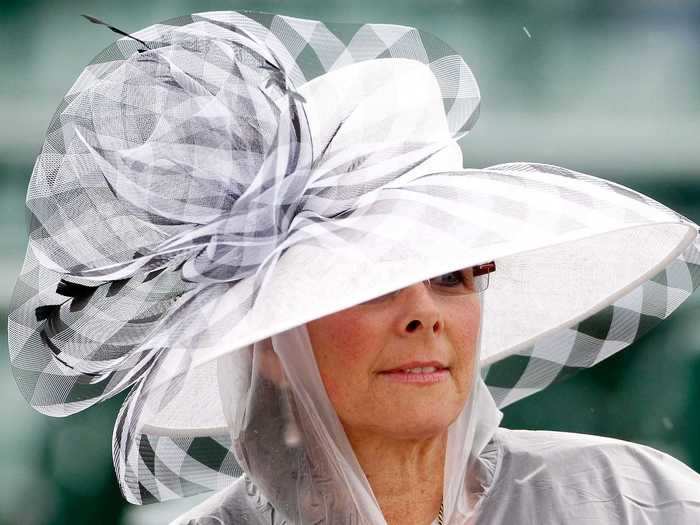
240,503
579,478
573,451
545,442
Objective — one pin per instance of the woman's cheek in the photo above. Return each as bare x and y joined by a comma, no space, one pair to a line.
353,337
331,385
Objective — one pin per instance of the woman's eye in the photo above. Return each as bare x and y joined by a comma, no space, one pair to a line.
449,279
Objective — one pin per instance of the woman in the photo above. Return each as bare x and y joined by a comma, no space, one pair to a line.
262,226
371,421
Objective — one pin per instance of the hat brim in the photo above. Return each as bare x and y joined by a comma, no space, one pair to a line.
571,289
560,263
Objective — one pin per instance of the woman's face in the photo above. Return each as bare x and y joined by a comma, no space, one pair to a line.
364,355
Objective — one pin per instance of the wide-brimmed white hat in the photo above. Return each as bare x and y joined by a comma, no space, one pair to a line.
248,173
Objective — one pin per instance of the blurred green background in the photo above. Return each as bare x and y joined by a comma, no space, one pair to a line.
607,88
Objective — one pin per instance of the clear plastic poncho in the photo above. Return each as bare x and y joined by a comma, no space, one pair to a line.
299,464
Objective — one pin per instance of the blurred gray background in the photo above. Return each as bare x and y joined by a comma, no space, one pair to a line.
607,88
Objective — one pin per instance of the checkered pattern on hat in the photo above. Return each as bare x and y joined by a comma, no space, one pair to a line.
563,352
75,207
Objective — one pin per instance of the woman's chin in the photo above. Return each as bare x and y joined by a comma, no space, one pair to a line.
419,431
419,422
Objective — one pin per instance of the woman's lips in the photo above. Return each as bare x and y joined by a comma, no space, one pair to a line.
426,374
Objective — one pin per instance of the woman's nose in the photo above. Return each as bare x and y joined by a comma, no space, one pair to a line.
420,312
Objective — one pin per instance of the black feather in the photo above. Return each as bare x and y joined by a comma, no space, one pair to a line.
76,290
116,30
44,312
153,274
116,286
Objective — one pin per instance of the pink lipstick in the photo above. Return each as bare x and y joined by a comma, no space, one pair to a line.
417,372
